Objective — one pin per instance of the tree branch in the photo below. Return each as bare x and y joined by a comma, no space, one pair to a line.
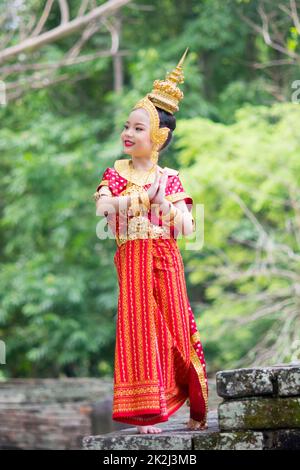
43,18
62,30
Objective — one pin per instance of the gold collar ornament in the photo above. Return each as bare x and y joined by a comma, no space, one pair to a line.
138,177
165,95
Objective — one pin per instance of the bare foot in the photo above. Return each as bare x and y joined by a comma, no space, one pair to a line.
148,429
196,425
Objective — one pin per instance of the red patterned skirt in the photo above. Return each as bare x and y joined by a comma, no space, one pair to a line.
159,360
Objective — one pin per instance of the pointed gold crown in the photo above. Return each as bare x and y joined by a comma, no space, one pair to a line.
165,93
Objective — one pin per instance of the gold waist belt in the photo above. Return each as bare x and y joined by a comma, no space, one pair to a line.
141,227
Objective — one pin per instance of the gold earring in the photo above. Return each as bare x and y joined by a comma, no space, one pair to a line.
154,155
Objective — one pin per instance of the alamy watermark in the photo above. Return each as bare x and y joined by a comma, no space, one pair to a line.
106,227
2,93
2,352
296,94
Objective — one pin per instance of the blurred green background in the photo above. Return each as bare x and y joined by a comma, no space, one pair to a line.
237,147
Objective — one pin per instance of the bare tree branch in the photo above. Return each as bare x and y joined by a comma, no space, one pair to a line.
14,68
62,30
37,81
86,35
43,18
266,35
272,63
82,9
46,82
46,73
264,311
294,14
274,39
64,10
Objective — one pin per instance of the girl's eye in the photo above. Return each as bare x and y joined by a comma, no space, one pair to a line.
138,128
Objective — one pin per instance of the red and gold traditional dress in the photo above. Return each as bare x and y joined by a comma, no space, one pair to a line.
159,360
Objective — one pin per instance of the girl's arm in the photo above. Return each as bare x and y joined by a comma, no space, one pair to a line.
183,221
109,204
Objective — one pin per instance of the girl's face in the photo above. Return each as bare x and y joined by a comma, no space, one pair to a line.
136,134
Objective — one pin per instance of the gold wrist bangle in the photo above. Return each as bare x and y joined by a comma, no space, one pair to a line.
103,191
135,206
170,214
145,201
173,214
177,214
168,220
96,196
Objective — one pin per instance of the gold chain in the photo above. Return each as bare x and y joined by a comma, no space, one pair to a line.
150,171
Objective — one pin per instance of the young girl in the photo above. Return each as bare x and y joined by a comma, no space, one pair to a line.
159,360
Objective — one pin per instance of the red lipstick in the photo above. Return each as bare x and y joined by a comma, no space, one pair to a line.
128,143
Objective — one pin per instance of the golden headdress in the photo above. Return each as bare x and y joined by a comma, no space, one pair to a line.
165,95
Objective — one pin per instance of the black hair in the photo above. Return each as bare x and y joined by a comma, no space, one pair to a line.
166,119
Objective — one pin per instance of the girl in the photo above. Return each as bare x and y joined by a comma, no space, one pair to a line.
159,360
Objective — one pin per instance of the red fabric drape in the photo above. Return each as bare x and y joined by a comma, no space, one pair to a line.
159,360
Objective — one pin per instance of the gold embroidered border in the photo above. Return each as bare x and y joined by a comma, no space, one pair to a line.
103,183
171,406
137,407
149,403
195,337
134,390
199,369
177,196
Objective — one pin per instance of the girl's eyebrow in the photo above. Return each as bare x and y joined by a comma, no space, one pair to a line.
136,123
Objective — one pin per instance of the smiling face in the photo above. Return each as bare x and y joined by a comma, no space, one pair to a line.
137,131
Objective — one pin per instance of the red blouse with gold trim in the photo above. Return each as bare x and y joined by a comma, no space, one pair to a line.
118,181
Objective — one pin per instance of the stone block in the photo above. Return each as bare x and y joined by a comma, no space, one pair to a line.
259,413
239,440
277,380
282,439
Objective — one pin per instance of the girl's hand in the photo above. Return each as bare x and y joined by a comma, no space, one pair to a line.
156,191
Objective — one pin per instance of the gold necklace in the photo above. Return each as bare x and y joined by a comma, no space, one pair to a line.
148,172
138,189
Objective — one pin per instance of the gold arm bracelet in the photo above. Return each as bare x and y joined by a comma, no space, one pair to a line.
171,214
174,213
96,196
103,191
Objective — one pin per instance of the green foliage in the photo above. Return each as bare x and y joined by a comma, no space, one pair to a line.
247,176
57,298
238,150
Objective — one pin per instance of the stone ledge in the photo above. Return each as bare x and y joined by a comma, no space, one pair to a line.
279,380
175,436
240,440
